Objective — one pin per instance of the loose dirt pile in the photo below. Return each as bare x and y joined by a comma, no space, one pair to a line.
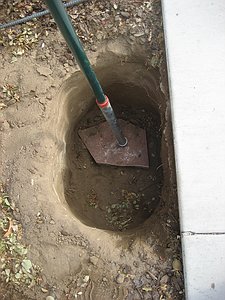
52,187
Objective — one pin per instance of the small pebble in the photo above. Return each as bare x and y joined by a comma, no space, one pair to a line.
71,63
64,232
44,71
177,265
125,14
93,260
50,298
120,278
86,278
164,279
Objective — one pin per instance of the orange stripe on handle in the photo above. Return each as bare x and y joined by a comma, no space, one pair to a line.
104,104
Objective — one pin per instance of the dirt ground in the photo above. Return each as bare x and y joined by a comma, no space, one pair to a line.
92,231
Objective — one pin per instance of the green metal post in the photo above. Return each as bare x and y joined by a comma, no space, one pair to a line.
63,21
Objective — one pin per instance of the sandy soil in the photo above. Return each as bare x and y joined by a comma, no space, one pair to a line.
86,243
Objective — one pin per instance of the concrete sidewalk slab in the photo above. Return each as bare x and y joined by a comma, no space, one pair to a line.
205,266
195,42
195,45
